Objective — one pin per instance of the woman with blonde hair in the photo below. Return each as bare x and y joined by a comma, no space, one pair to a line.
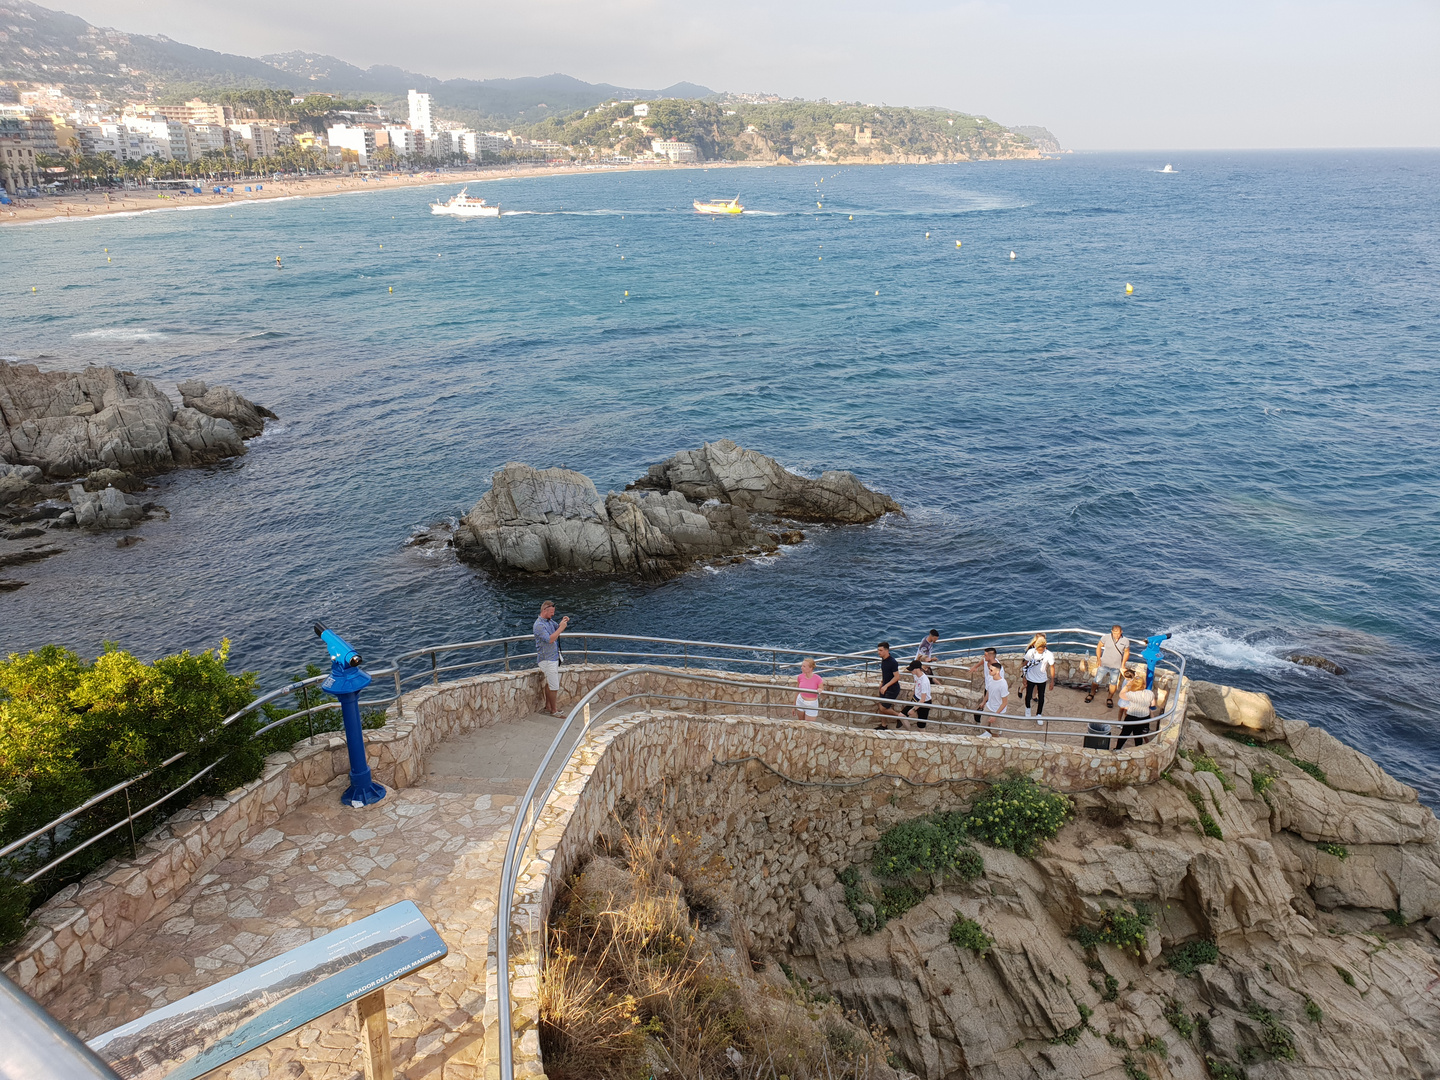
809,685
1136,704
1039,673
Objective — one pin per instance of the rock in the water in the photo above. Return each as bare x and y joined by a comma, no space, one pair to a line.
107,509
541,520
1310,660
724,471
225,404
68,424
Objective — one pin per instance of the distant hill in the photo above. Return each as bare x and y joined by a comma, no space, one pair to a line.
41,45
1041,137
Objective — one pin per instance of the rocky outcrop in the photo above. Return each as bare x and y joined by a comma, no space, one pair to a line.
541,520
1315,898
728,473
698,509
1287,894
69,424
222,403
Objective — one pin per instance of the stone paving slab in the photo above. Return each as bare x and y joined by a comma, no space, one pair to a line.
320,867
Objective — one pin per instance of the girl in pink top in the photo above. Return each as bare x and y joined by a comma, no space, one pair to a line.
807,701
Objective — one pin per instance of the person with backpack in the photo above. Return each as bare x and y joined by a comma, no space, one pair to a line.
1039,673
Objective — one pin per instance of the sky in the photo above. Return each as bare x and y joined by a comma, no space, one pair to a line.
1100,74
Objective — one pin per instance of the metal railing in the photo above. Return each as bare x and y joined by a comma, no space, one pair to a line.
527,812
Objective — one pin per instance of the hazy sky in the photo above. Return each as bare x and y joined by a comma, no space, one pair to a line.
1100,74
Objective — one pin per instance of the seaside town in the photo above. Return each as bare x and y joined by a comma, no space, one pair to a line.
49,140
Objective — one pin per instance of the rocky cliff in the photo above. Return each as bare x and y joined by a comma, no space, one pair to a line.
1270,908
696,506
111,427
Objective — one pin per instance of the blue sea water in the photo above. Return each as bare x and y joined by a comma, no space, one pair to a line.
1243,452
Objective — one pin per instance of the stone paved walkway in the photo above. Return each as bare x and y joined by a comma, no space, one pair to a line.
439,844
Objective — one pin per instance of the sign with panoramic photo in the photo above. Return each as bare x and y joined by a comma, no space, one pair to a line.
207,1029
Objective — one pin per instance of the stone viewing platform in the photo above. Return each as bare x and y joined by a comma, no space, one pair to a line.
788,806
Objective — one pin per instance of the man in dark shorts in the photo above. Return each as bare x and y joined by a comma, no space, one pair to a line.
889,685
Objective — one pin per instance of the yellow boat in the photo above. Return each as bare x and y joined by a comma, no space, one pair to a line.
719,206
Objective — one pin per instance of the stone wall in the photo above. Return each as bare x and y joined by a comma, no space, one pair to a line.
707,772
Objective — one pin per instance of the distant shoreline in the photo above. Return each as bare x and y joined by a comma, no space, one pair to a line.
93,205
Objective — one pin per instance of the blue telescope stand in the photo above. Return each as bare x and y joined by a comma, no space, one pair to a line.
345,681
1151,656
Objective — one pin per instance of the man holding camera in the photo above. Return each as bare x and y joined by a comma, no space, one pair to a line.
547,653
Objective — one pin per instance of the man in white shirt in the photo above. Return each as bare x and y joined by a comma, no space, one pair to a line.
1112,656
997,694
920,691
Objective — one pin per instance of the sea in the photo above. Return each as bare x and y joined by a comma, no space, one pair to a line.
1242,452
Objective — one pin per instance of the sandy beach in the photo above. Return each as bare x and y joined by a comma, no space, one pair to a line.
74,206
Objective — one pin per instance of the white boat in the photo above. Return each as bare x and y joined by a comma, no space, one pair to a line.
463,205
1167,168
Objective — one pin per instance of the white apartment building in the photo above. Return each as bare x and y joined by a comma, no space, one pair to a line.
642,109
405,141
201,139
358,139
168,135
675,151
120,142
258,140
420,113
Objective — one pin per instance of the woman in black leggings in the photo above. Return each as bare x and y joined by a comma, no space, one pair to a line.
1136,704
1039,673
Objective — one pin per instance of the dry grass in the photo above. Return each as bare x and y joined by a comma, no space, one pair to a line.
632,988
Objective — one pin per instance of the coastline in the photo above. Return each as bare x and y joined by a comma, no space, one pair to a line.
87,207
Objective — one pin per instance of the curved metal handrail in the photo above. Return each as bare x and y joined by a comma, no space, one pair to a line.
527,813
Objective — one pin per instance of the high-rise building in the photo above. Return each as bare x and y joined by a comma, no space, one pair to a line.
196,111
420,113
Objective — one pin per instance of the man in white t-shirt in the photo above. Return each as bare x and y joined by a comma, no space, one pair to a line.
1039,673
1112,656
920,691
997,695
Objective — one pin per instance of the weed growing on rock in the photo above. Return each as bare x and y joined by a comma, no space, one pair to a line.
1262,782
1208,825
1313,1012
857,902
1126,929
1133,1071
1205,763
1178,1019
896,900
1276,1040
1153,1044
1311,768
1117,1041
1018,815
966,933
1220,1070
1344,974
1340,851
1396,917
1184,959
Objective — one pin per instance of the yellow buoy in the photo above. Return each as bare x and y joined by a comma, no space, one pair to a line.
627,292
927,236
1129,288
877,292
107,251
957,243
392,288
852,217
107,258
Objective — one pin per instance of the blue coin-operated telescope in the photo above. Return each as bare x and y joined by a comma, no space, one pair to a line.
345,681
1151,656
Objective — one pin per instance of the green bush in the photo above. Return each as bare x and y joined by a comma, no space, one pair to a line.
1018,815
1313,1012
1395,916
1206,763
1153,1044
1208,825
1178,1018
1126,929
1276,1040
1311,768
14,909
896,900
1340,851
1133,1071
1261,782
1184,959
934,845
856,898
1344,974
966,933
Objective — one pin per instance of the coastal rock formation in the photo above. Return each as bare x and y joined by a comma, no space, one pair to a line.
221,402
542,520
724,471
696,506
68,424
108,508
1315,898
